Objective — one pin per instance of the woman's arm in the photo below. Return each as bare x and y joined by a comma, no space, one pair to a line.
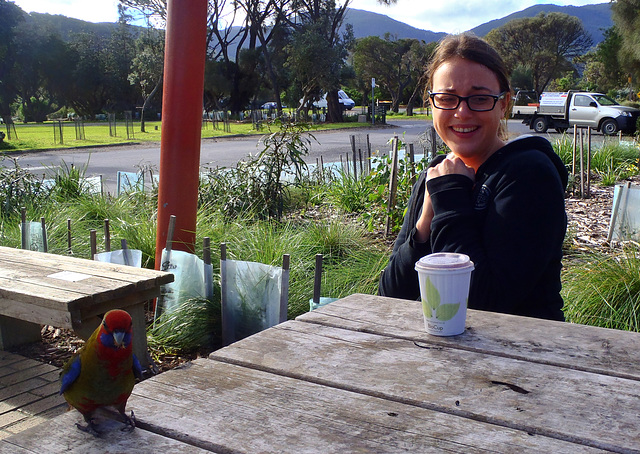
515,241
399,279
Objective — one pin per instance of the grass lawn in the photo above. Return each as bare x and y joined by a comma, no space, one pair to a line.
41,136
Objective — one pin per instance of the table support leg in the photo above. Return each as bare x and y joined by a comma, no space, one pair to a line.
14,332
139,333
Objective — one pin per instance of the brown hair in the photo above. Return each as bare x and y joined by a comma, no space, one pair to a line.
470,47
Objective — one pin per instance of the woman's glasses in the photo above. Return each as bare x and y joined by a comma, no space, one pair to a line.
477,103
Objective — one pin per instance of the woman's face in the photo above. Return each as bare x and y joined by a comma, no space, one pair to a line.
472,136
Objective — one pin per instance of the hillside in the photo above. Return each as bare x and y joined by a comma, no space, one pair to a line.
366,23
595,18
68,26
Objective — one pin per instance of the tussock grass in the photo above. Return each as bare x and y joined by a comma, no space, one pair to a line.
604,290
194,325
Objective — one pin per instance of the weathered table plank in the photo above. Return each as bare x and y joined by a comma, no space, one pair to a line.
591,409
33,293
212,404
102,269
588,348
59,435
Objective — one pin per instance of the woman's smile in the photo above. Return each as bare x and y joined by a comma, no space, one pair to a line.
472,135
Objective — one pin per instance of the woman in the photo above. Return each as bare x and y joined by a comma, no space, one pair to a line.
500,203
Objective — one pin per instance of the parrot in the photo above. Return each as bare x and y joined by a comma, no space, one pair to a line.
103,372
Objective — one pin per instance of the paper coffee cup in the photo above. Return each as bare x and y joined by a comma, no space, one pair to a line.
444,279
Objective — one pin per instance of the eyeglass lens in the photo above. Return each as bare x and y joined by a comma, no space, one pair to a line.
474,102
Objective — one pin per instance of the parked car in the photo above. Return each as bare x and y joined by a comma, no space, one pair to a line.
272,105
343,98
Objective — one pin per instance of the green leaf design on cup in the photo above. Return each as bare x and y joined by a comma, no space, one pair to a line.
433,295
446,312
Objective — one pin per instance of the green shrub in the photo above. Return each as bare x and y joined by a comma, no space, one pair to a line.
604,290
612,161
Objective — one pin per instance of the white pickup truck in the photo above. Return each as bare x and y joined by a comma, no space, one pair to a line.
562,110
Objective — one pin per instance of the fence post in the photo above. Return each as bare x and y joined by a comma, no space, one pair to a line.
393,184
355,158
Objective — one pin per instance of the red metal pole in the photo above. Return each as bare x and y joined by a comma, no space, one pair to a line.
185,52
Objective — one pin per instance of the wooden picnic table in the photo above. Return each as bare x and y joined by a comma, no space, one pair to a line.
362,375
37,288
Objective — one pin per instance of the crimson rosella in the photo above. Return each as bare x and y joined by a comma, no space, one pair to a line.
102,373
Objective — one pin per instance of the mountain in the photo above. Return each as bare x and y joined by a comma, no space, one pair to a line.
366,23
68,26
595,18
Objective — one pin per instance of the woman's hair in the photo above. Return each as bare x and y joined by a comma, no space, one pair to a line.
472,48
477,50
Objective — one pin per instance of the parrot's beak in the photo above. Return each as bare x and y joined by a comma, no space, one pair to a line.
118,339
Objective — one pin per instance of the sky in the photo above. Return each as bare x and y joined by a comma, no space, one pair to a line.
449,16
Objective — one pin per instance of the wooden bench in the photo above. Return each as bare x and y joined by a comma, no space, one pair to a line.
37,289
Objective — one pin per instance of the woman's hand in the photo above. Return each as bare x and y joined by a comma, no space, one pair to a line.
451,165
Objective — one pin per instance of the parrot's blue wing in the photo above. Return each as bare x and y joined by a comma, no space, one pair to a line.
70,375
137,368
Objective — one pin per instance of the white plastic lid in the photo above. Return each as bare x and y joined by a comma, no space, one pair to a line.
444,261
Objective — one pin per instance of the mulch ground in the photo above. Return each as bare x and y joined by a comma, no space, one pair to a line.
589,220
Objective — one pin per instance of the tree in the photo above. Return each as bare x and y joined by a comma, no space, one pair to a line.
87,88
602,69
627,21
36,63
261,23
10,16
545,44
396,64
318,52
147,67
118,53
419,55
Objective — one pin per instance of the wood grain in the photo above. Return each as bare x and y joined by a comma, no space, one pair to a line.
214,404
591,409
587,348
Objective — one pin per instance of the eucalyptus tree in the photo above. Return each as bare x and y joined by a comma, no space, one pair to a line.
37,63
87,84
418,57
602,67
396,65
10,16
318,51
545,44
626,19
147,67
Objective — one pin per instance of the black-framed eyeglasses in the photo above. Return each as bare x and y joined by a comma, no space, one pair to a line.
477,103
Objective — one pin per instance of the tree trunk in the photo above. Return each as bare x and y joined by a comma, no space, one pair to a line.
146,103
334,109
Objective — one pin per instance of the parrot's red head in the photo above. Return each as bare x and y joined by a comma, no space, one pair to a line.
115,330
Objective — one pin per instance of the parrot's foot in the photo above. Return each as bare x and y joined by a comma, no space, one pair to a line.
90,428
130,422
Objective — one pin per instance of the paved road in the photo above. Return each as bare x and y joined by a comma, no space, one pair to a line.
226,152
